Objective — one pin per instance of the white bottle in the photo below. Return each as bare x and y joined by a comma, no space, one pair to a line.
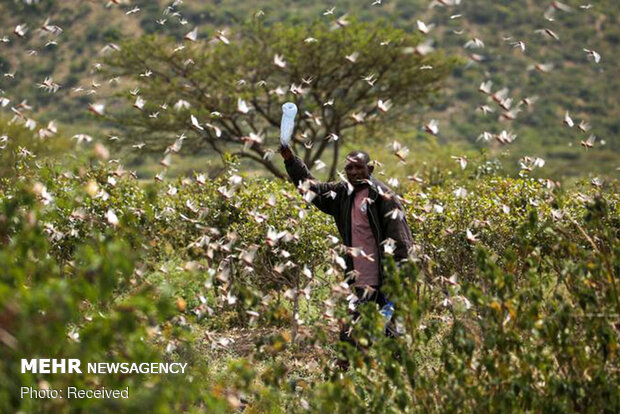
289,110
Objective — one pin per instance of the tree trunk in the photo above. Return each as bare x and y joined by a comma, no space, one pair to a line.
334,166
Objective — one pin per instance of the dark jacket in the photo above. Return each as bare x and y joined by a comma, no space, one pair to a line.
333,198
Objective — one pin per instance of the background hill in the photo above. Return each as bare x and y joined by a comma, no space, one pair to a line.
508,301
587,90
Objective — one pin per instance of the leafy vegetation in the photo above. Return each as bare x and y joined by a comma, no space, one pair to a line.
509,301
341,79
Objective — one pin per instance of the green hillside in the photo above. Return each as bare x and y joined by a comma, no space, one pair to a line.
587,90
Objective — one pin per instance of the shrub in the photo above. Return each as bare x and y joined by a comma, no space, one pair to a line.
520,314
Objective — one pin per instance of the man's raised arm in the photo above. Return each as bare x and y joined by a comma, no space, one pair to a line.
326,193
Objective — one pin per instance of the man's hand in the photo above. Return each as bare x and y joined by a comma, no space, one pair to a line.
286,152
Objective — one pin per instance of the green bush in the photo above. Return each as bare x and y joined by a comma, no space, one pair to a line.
519,315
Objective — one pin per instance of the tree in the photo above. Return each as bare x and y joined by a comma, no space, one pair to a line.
234,87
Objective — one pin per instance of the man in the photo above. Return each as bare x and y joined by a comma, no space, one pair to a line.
368,216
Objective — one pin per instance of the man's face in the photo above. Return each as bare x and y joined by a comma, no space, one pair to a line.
357,171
